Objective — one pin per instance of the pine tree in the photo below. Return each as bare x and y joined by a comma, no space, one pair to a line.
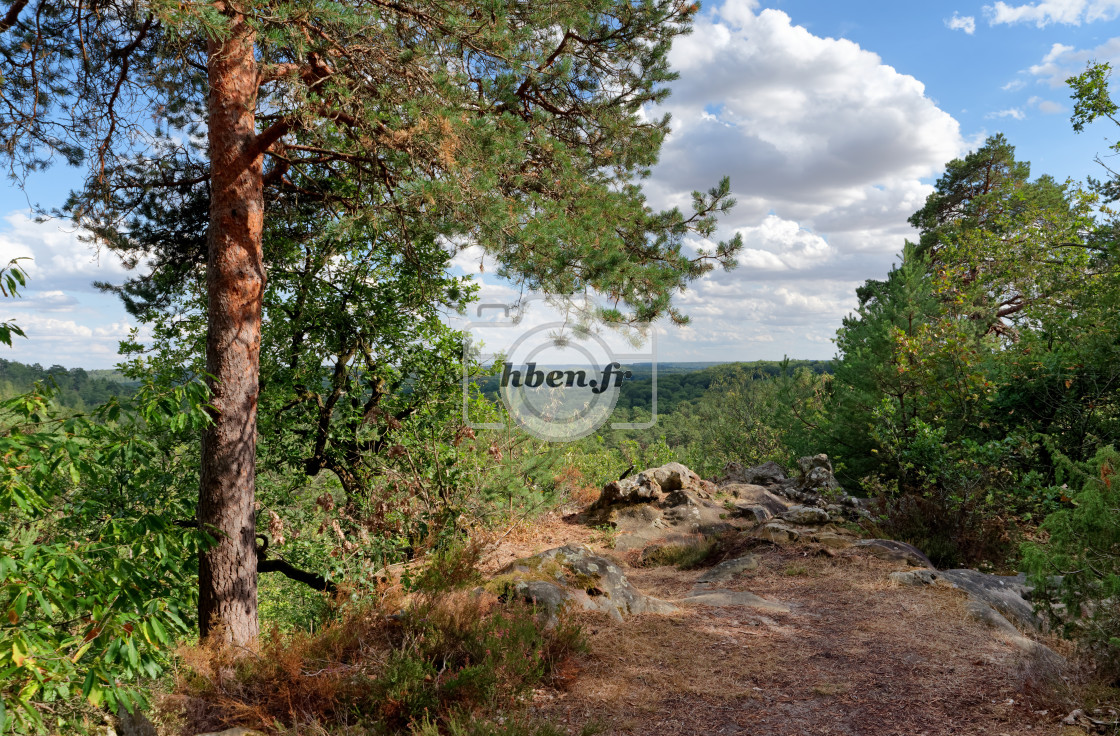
514,125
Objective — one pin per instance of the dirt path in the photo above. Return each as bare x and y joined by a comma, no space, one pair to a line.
855,654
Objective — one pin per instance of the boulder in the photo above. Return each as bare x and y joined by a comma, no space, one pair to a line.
674,477
756,495
638,489
816,474
652,486
573,575
1007,594
728,569
805,515
757,514
888,549
832,540
777,532
767,474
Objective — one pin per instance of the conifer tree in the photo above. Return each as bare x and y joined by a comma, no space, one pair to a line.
515,125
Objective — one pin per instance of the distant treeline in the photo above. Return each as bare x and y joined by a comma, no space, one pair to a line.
680,382
78,388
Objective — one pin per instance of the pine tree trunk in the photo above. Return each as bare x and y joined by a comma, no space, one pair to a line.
235,285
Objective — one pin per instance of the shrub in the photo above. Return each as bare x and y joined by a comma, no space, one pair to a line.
448,652
1080,564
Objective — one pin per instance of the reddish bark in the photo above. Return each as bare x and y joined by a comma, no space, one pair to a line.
235,286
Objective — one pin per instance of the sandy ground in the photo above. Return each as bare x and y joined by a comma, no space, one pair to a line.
856,654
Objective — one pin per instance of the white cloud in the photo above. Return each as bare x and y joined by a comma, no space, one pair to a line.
828,150
1046,107
45,301
966,23
1013,85
1042,14
782,245
58,259
61,269
1062,62
1012,112
66,342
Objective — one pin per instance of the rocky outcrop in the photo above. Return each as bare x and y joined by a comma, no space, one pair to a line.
652,486
888,549
729,598
1007,594
767,474
806,515
728,569
665,505
815,486
672,505
816,475
573,575
998,601
749,494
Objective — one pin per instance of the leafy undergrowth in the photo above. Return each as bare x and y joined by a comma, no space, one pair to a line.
450,661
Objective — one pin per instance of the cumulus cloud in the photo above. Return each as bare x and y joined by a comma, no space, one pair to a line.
45,301
1014,113
1062,62
66,342
782,245
966,23
57,258
827,148
1042,14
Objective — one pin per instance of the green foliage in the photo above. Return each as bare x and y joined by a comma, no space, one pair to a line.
1079,566
752,416
12,278
96,580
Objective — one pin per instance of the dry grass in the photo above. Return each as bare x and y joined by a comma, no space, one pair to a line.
857,654
447,653
526,538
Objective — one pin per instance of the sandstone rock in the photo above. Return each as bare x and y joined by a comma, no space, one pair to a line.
1007,594
756,495
832,540
745,510
769,473
652,486
888,549
638,489
574,575
816,474
777,532
673,477
729,569
723,598
806,515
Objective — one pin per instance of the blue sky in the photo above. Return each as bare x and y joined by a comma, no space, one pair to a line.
832,119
